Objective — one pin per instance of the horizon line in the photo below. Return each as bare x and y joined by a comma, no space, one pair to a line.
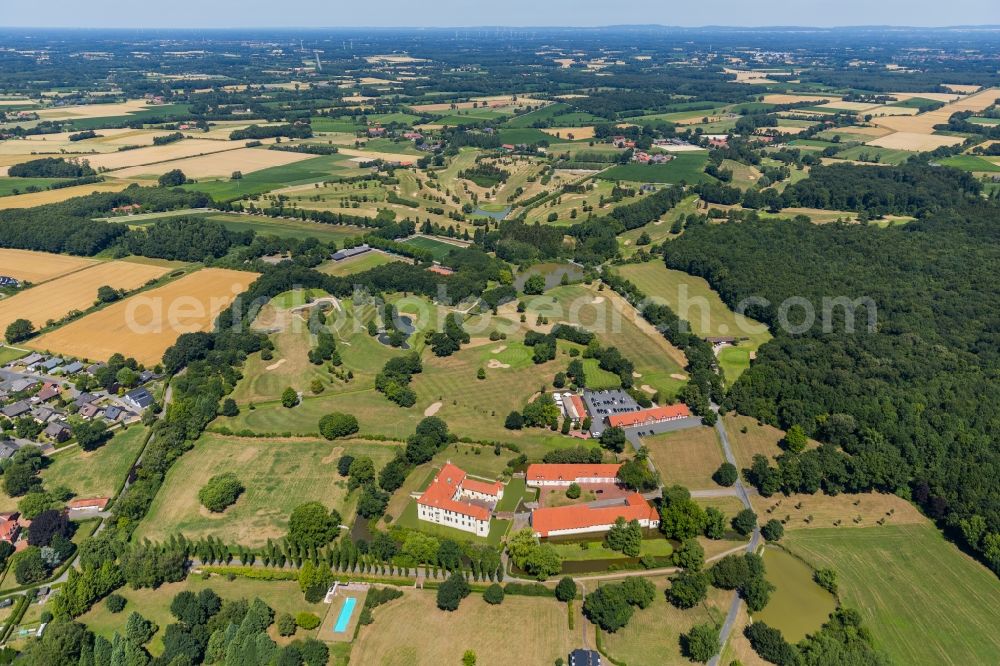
622,26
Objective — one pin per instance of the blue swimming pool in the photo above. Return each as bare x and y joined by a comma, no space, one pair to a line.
344,618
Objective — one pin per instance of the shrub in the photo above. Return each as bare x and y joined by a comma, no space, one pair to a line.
770,644
573,491
337,424
289,398
306,620
221,492
286,624
451,592
827,579
493,594
115,603
701,643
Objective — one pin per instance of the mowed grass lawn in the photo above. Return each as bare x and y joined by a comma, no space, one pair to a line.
686,457
922,599
412,631
438,248
298,173
355,265
98,473
278,476
694,300
685,167
652,636
282,596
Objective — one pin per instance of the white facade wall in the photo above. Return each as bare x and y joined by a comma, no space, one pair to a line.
449,518
476,495
556,483
598,528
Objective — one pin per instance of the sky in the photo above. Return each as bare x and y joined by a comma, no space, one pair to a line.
449,13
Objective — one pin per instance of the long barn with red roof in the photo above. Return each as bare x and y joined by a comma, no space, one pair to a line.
581,519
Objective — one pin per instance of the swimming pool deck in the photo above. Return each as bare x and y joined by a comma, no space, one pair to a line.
335,620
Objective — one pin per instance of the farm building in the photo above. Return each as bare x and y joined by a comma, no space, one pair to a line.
581,519
87,504
455,500
549,475
348,253
648,417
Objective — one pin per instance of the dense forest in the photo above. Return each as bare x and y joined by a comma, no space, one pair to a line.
919,393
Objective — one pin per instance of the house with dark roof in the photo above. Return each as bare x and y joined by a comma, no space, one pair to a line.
584,658
49,391
140,398
84,399
31,359
112,413
60,432
23,384
16,409
7,449
72,368
51,364
43,413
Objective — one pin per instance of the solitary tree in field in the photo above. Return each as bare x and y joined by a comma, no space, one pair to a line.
289,397
18,330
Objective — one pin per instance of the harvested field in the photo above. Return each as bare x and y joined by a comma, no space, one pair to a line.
574,133
94,110
55,196
493,102
924,123
156,154
844,511
781,98
915,141
146,324
961,88
36,267
521,630
373,155
220,165
57,298
840,105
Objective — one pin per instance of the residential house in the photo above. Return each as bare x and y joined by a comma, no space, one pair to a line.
112,413
47,392
89,411
84,399
51,364
10,527
7,449
43,414
16,409
23,384
140,398
72,368
31,360
58,431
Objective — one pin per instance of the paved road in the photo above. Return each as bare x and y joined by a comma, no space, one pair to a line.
740,491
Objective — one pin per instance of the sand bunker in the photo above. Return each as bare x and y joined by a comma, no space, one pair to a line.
678,376
276,365
495,364
432,409
498,349
597,299
648,389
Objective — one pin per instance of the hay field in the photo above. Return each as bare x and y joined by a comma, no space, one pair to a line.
375,155
220,164
686,457
844,512
923,600
155,154
29,266
915,141
109,141
57,298
278,476
521,630
577,133
55,196
146,324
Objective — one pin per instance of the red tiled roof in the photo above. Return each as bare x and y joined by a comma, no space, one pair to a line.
482,486
577,401
442,490
547,520
96,502
645,416
9,529
571,472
